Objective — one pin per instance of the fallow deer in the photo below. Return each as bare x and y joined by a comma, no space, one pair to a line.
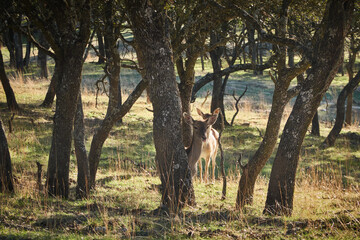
204,143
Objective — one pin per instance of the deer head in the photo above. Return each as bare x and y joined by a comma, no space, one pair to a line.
202,128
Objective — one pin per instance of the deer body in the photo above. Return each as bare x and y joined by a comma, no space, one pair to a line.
204,143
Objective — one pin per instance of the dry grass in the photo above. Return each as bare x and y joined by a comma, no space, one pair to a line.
122,205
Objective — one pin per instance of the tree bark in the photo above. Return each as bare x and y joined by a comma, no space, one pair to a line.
42,57
350,69
215,56
10,45
101,47
315,126
113,57
18,52
150,32
10,96
326,58
27,54
83,177
50,94
6,177
252,45
187,78
340,111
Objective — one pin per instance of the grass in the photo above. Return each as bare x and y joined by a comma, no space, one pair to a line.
326,203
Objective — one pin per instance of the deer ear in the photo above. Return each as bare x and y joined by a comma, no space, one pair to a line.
200,113
216,111
188,119
212,119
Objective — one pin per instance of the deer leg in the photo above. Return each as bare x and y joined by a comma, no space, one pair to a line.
207,165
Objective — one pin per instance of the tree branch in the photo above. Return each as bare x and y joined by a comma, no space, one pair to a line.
236,105
237,67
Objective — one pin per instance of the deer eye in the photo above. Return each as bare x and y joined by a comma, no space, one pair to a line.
195,127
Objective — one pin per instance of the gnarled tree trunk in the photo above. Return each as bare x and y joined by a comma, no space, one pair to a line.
150,33
328,43
281,97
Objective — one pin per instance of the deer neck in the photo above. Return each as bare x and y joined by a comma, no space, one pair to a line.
194,151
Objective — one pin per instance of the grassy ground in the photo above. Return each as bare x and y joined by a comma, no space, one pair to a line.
327,197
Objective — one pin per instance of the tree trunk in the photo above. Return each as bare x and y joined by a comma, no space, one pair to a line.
6,177
327,57
113,70
18,52
101,47
42,57
67,30
340,111
113,57
315,126
151,33
252,45
263,153
10,45
221,100
103,131
10,96
50,94
83,177
187,78
27,54
348,112
215,56
350,69
67,93
281,97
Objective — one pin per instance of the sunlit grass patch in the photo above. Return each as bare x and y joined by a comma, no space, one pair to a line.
326,201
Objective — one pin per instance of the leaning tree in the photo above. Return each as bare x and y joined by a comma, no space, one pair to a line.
325,55
281,95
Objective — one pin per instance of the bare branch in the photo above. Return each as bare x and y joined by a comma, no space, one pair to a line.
89,45
236,105
97,53
36,43
260,133
273,78
266,36
207,95
243,167
237,67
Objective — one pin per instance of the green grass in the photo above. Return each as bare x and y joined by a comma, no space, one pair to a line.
326,203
